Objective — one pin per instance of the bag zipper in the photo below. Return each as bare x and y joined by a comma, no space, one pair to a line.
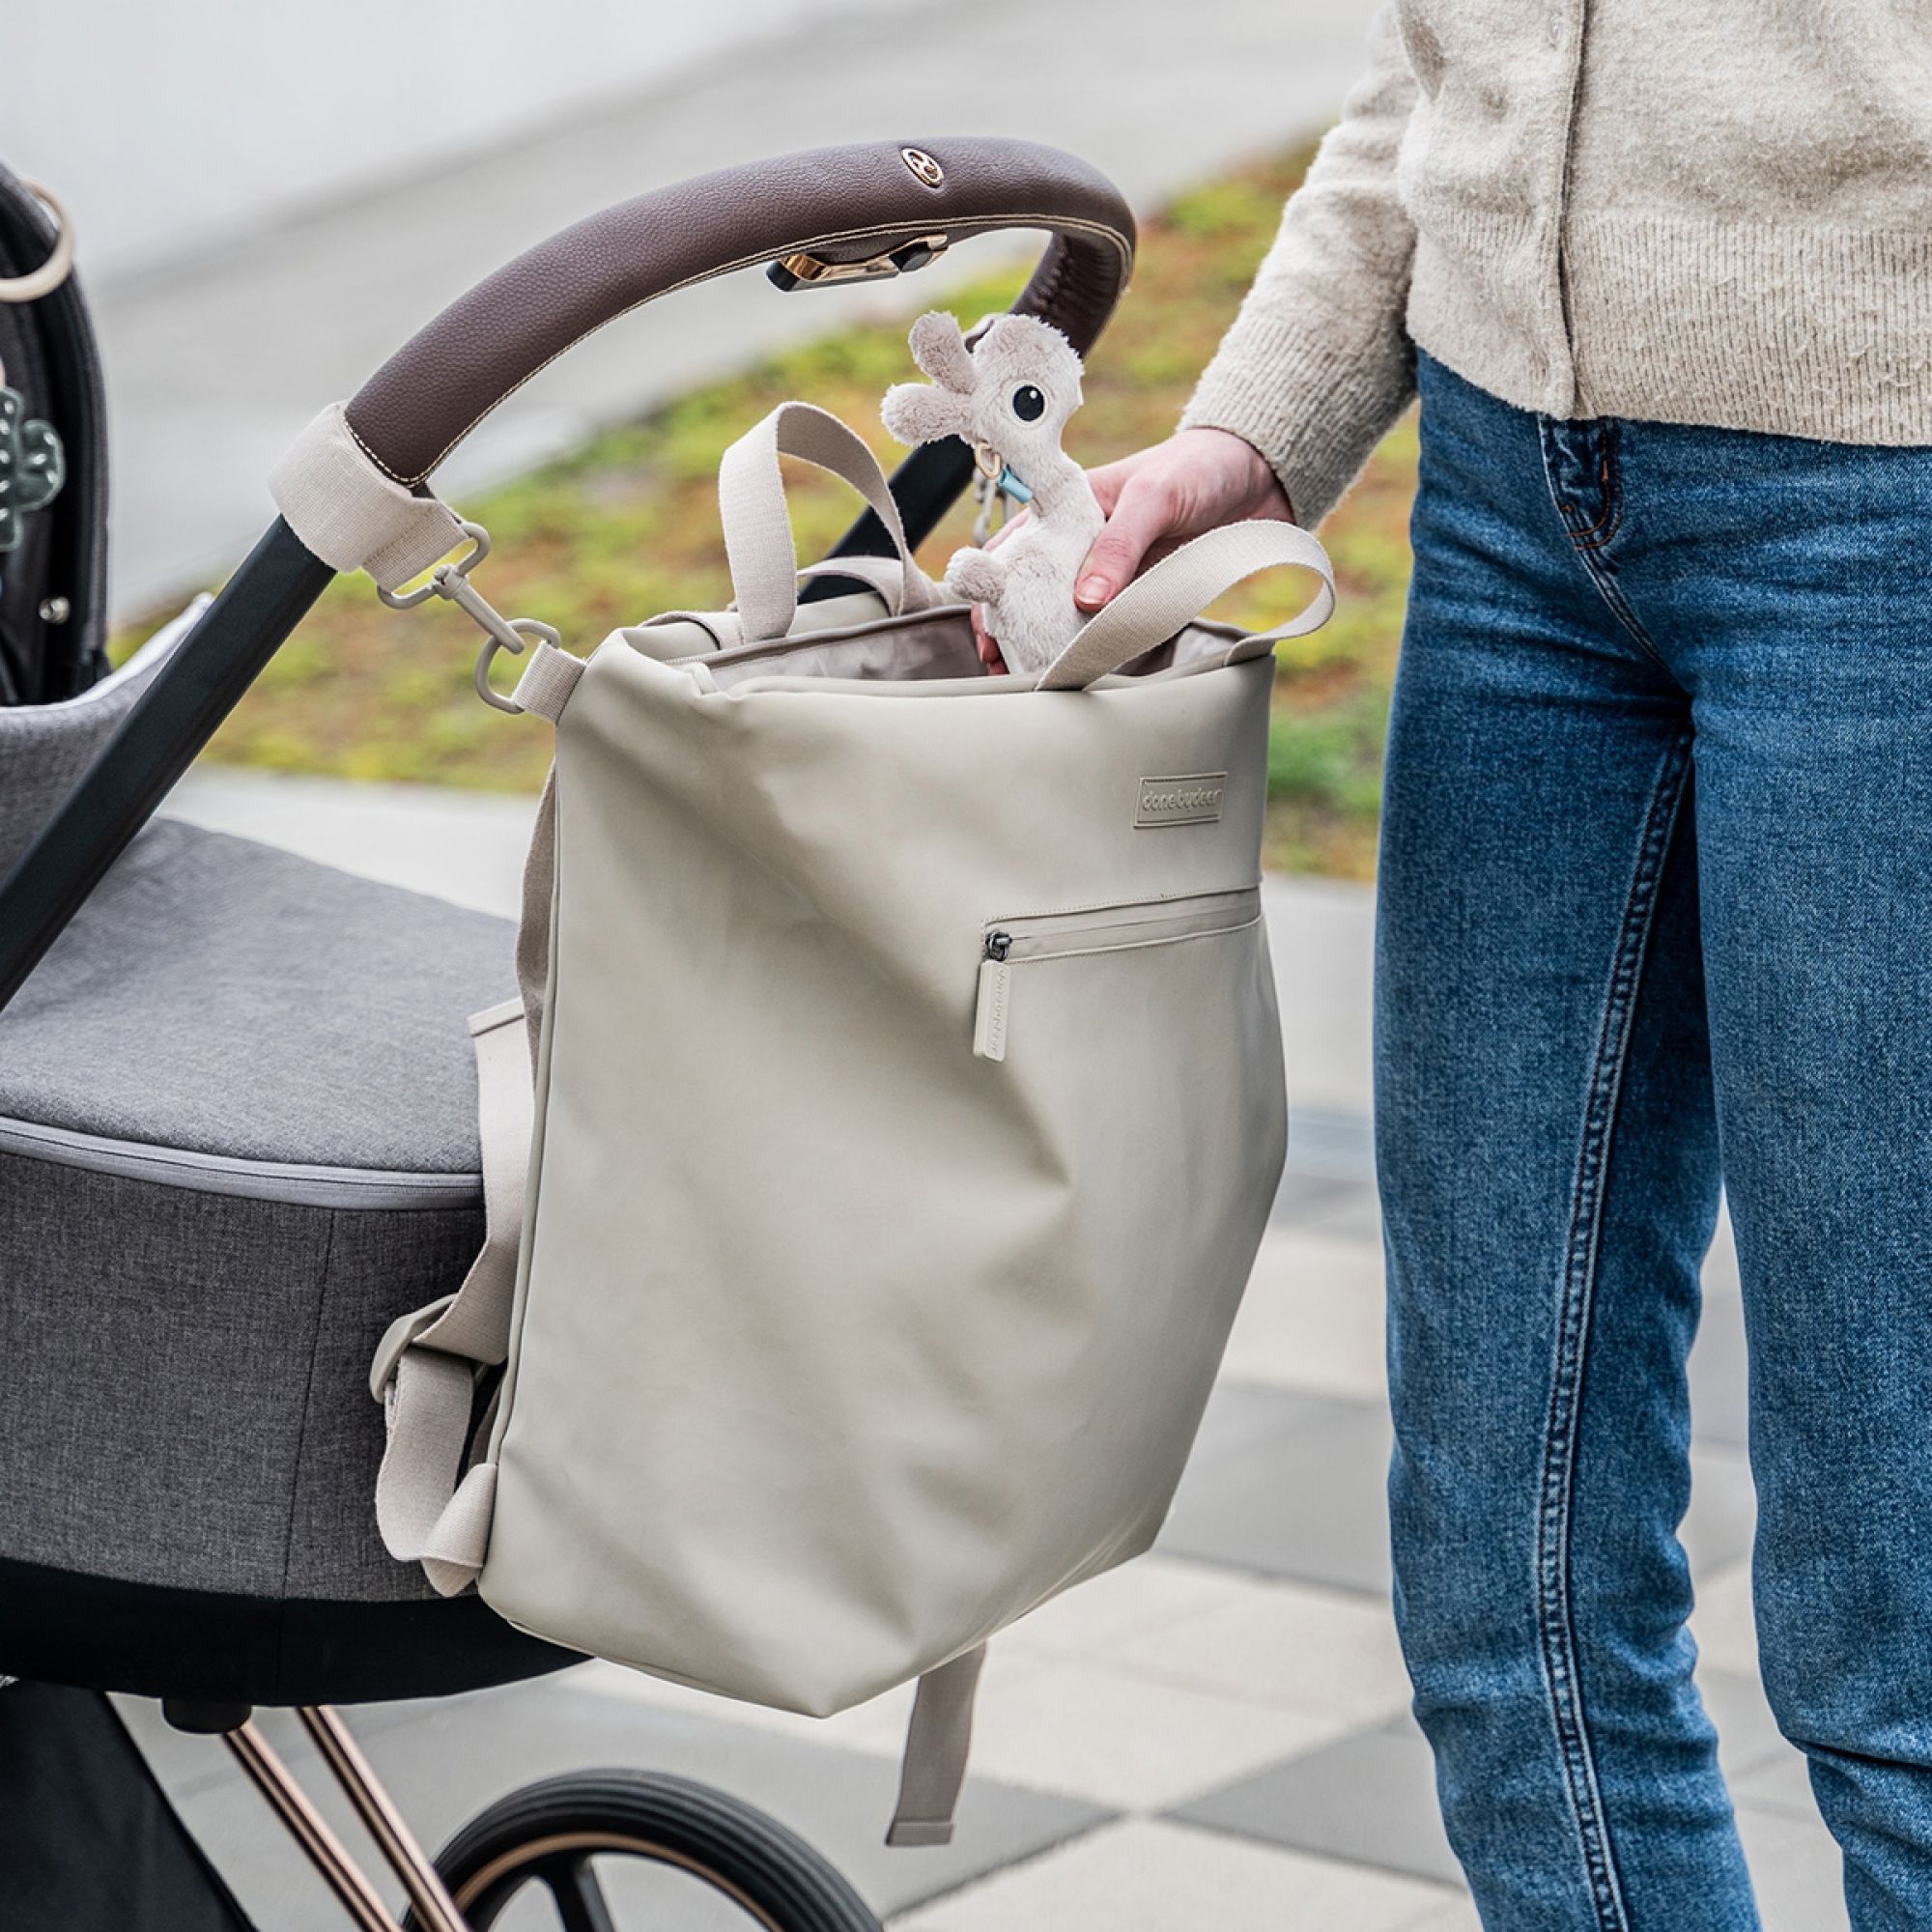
1008,943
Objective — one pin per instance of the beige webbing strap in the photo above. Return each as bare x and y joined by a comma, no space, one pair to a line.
1170,595
938,1740
546,682
425,1372
538,910
884,574
757,525
351,513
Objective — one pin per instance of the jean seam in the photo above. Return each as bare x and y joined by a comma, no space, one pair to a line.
1604,580
1555,1623
1587,544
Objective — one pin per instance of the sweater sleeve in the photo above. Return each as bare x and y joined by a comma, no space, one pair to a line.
1318,364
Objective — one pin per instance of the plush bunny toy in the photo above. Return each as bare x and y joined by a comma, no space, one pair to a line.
1009,396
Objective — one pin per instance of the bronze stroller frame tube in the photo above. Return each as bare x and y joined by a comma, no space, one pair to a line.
435,1908
381,1818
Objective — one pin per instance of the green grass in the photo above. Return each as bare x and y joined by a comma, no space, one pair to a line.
627,526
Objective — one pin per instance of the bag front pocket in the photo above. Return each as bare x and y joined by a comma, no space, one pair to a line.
1041,938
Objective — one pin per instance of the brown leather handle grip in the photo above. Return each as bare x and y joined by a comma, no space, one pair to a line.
838,204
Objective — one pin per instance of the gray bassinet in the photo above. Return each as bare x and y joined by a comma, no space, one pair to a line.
237,1138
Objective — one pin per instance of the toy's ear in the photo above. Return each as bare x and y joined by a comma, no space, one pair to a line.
918,413
940,348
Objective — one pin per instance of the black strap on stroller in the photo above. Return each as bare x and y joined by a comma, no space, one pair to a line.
820,219
53,581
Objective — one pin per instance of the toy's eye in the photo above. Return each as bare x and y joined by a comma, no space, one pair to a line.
1029,405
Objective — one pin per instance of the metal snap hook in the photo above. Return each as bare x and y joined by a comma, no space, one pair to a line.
503,634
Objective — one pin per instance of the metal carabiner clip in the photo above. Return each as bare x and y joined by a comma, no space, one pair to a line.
451,580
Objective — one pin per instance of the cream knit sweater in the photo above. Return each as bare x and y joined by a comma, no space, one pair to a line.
1691,211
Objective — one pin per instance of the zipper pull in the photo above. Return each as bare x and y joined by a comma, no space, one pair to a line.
989,1025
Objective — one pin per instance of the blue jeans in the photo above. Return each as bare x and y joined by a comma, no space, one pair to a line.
1656,917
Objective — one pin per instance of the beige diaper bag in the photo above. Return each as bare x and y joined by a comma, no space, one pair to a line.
907,1109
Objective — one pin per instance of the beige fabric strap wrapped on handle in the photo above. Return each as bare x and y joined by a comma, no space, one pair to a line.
353,516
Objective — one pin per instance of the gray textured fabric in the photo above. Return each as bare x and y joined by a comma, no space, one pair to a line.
45,748
184,1394
219,996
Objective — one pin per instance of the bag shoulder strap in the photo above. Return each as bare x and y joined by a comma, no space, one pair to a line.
1170,595
428,1366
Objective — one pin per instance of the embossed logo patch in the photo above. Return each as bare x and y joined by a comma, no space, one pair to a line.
924,167
1192,799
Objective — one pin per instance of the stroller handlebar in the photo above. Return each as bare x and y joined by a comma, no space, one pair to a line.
828,213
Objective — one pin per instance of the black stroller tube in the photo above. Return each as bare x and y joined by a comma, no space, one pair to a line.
832,213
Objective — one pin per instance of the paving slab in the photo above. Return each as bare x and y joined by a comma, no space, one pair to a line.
1723,1622
1719,1382
1796,1870
1326,1653
1749,1740
1368,1797
1285,1482
1460,1916
1312,1318
1125,1740
1780,1783
1154,1875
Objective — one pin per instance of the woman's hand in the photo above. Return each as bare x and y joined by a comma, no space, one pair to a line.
1156,500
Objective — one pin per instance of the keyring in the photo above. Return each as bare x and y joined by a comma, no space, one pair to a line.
59,265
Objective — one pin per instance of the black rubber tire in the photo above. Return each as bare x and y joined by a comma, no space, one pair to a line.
544,1829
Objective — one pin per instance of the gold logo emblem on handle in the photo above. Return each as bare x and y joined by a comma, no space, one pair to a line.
923,166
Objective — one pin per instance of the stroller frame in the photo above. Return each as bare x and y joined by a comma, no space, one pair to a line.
855,213
429,1897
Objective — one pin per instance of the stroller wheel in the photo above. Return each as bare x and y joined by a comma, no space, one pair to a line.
572,1837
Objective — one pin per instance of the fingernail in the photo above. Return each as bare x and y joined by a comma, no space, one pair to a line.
1094,590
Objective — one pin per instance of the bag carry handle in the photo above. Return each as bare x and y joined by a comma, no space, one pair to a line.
828,214
757,518
1171,594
